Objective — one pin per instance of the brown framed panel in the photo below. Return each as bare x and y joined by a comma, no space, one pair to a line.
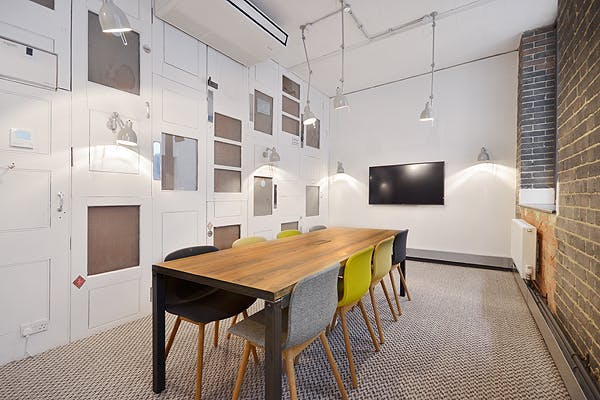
109,62
179,163
228,154
290,106
227,181
225,236
263,196
313,135
113,238
289,225
312,201
263,112
290,125
228,127
290,87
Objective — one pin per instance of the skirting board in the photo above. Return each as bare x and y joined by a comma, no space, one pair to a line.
459,258
566,373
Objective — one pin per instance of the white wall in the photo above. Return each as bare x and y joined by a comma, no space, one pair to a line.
475,106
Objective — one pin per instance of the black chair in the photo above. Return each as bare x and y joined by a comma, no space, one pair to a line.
200,305
316,228
399,264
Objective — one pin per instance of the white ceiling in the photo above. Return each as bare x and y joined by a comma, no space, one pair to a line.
484,28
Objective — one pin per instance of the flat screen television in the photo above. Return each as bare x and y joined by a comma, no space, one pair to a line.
419,183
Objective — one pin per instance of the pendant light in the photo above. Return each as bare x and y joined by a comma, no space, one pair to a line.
427,113
308,117
483,156
340,101
112,18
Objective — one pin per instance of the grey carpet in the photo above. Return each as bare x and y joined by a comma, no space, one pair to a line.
467,334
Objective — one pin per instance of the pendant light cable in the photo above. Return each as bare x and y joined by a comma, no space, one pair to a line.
343,45
433,15
303,28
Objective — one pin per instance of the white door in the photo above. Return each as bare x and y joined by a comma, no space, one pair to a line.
112,209
179,140
227,173
34,218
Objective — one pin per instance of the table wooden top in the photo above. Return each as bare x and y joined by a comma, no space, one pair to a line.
269,270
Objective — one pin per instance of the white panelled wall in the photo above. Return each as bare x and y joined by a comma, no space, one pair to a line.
474,106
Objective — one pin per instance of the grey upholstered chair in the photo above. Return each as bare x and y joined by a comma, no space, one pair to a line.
312,304
317,228
399,264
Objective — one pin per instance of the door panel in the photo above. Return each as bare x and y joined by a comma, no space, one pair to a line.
34,218
106,174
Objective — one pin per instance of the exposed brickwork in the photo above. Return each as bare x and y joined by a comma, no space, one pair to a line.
537,108
578,222
545,279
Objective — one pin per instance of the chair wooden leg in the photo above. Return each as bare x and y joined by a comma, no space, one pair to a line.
371,331
172,336
233,321
289,369
376,312
389,301
348,349
404,284
240,376
334,368
395,292
252,348
199,361
216,334
332,325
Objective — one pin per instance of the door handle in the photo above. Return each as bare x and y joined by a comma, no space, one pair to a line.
209,229
61,201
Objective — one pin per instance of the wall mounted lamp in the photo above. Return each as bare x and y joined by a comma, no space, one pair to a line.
340,168
271,154
113,20
126,135
483,156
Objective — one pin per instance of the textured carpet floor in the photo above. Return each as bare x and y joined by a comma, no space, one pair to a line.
467,334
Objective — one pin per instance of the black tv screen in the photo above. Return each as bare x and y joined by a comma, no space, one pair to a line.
420,183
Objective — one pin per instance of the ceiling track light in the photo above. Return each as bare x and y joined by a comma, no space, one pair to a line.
308,117
427,113
340,101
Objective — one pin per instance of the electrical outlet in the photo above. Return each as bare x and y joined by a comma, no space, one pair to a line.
34,327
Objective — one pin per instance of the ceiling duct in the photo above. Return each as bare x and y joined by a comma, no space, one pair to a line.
237,28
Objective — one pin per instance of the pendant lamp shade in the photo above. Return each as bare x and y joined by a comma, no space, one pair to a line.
340,101
113,19
309,116
427,113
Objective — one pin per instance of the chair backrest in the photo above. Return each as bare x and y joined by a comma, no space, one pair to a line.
180,291
288,233
317,228
248,240
382,258
312,304
399,254
357,276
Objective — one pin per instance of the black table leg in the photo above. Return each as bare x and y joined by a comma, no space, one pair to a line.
403,269
158,332
273,350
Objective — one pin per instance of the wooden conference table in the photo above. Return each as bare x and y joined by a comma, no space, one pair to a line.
268,271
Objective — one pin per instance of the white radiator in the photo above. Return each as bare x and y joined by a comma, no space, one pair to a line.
523,248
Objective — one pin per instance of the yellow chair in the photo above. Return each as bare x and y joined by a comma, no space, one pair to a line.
351,288
248,240
382,264
288,233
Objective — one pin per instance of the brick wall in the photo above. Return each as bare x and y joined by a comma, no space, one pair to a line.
537,108
578,222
